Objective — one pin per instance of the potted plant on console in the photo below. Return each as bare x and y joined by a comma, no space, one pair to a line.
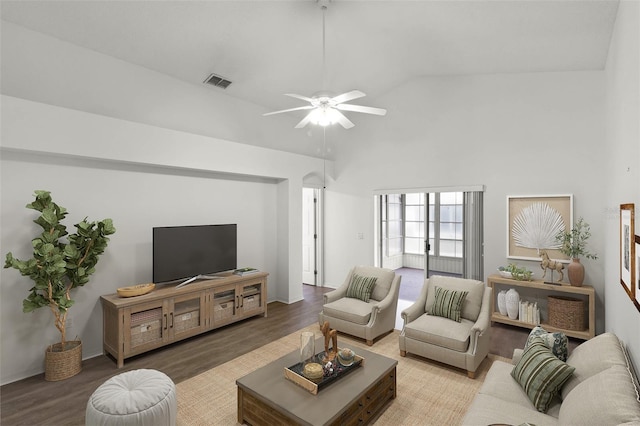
573,243
58,266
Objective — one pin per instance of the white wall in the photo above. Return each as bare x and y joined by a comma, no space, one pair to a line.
140,176
621,172
113,139
44,69
517,134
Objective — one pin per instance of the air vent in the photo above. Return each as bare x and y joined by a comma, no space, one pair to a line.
217,81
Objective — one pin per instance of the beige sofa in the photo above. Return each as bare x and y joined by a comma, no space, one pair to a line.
602,391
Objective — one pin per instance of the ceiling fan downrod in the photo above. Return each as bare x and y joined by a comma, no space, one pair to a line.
326,108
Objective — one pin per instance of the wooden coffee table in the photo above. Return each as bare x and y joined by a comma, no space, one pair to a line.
266,397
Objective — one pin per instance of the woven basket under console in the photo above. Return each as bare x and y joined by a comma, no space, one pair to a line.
566,312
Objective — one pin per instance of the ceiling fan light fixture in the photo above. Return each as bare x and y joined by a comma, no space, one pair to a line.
324,116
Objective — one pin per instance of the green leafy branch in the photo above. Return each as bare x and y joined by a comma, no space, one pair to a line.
573,243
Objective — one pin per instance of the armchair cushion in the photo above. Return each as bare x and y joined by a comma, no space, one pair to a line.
349,309
361,287
473,301
448,303
541,374
440,331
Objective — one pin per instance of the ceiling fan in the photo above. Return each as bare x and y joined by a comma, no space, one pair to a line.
324,106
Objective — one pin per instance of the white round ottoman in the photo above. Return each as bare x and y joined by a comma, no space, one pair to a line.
138,397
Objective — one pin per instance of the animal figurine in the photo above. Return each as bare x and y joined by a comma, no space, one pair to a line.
553,265
329,334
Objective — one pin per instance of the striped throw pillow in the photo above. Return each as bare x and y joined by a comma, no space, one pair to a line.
361,287
541,374
448,303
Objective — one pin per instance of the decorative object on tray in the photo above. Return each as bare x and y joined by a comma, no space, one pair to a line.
551,265
515,272
313,371
513,303
502,302
346,357
245,271
573,243
61,262
307,347
331,371
332,335
136,290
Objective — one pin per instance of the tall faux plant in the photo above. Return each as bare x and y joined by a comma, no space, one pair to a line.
59,266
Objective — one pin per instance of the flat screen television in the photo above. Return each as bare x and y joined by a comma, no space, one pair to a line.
191,252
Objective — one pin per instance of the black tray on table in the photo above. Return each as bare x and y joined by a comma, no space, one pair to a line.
294,373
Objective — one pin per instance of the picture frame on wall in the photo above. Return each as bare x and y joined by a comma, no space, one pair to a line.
533,221
637,282
627,250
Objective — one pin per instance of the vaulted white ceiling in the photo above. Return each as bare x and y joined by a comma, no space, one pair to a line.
268,48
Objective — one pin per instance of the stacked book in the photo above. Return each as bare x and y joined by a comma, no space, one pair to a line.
245,271
529,312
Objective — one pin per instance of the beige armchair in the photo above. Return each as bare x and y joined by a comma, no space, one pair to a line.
461,344
361,318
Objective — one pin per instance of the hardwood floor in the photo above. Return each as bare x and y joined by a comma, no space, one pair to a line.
34,401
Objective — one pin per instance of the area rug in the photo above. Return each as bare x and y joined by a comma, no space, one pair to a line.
428,393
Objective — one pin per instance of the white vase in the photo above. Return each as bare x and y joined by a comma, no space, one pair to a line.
512,299
502,302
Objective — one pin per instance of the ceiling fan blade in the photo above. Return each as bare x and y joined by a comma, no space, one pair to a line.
288,110
344,121
304,121
360,108
354,94
304,98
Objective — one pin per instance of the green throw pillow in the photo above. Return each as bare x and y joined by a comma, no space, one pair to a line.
541,374
361,287
448,303
557,342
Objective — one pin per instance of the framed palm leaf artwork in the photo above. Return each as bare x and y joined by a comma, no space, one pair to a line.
533,223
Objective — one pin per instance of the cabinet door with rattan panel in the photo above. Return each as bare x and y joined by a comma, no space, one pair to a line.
187,315
144,327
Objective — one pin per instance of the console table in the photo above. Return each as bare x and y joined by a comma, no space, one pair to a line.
588,292
134,325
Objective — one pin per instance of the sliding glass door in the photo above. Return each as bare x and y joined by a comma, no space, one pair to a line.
438,232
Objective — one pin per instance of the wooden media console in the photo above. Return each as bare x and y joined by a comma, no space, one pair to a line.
134,325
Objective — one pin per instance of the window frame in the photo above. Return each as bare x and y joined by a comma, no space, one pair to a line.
435,222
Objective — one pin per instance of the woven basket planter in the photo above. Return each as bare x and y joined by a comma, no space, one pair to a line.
59,364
